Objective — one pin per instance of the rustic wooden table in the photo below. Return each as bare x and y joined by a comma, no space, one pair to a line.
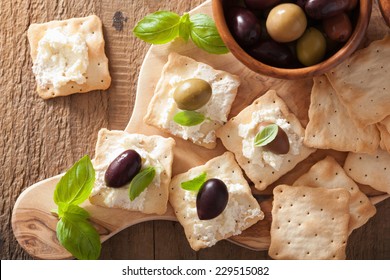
40,139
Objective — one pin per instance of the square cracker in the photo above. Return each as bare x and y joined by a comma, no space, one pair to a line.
162,107
330,126
262,176
90,28
241,212
309,223
328,174
362,84
155,151
372,170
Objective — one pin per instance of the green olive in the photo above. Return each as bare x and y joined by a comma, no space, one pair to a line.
311,47
286,22
192,94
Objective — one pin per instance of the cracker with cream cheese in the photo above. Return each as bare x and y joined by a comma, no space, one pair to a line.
309,223
372,170
68,56
260,165
362,84
155,151
327,173
162,107
241,212
330,126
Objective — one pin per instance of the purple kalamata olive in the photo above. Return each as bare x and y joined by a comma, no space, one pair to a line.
244,26
320,9
123,169
212,199
261,4
273,54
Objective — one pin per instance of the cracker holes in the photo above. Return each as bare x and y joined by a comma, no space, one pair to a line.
365,175
72,86
307,253
172,188
219,167
321,209
274,101
352,189
289,243
228,136
273,172
308,213
385,168
328,123
81,90
159,194
249,161
377,156
233,171
337,173
331,242
257,102
350,169
260,182
361,201
98,63
291,205
102,81
315,234
288,160
332,218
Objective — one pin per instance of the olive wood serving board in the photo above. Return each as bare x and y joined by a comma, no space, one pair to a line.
34,225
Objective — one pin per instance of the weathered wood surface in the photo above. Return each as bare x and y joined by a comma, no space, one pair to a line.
36,133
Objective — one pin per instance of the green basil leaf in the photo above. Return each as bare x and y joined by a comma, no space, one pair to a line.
266,135
141,181
79,237
185,27
205,34
188,118
70,209
77,183
195,183
158,28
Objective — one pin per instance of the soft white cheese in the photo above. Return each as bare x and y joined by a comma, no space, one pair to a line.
258,155
230,221
61,58
216,110
119,196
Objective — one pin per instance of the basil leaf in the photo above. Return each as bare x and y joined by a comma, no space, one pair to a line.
66,209
188,118
158,28
195,183
266,135
77,183
79,237
141,181
185,27
205,35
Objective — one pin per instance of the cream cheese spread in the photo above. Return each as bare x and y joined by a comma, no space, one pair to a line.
259,155
61,58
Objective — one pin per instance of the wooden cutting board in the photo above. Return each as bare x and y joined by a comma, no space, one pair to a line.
34,226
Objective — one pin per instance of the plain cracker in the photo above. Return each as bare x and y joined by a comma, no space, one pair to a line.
362,85
330,126
180,68
309,223
156,196
229,222
372,170
98,76
229,134
328,174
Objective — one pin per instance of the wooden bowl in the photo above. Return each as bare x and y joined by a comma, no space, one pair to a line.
349,47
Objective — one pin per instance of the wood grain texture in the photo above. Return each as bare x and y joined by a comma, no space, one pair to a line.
36,133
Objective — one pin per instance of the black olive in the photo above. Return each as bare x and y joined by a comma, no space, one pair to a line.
212,199
123,169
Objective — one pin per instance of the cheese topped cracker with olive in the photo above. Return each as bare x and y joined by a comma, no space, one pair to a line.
192,100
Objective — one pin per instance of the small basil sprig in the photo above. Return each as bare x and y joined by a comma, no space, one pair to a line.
266,135
188,118
194,184
141,181
74,231
163,26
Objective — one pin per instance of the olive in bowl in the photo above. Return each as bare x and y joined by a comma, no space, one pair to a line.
276,57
